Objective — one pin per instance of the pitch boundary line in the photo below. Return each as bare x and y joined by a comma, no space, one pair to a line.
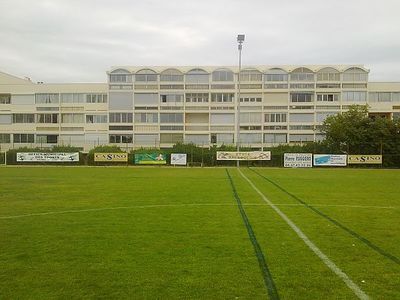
325,259
175,205
267,276
367,242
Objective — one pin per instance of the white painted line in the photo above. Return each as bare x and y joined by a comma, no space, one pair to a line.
179,205
114,208
330,264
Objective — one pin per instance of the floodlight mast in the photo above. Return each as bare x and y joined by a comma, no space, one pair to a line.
240,40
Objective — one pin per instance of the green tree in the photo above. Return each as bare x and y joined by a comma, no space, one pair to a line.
354,132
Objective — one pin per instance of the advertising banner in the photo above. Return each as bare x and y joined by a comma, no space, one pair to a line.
252,155
111,157
47,157
156,158
178,159
297,160
338,160
364,159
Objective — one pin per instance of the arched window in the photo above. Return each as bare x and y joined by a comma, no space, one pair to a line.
171,75
276,75
250,75
302,74
120,76
197,76
146,75
328,74
355,74
222,75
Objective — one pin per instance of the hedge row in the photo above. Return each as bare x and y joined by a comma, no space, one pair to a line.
196,156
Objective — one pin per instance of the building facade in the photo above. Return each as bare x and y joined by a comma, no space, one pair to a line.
160,106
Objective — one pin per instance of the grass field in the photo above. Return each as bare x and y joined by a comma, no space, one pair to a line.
177,233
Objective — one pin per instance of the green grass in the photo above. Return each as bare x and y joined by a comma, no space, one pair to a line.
171,233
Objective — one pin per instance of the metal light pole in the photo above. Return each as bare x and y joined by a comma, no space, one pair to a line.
240,40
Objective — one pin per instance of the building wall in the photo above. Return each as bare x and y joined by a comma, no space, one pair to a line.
159,106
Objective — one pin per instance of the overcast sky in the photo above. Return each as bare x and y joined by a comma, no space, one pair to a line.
79,40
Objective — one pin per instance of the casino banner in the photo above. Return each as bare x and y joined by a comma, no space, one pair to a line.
330,160
364,159
297,160
111,157
249,155
155,158
47,157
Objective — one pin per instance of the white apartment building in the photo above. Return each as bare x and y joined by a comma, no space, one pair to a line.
160,106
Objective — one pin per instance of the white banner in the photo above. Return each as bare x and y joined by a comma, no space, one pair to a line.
178,159
253,155
339,160
297,160
47,157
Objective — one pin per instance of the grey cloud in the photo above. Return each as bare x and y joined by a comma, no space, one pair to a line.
62,41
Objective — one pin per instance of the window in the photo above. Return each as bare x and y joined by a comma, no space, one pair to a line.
94,119
222,97
197,97
328,85
276,86
46,139
302,74
146,76
355,74
146,99
171,98
222,118
47,118
121,127
120,78
301,118
275,138
328,74
251,99
197,76
321,116
146,118
23,138
4,138
250,75
23,118
302,85
5,98
121,117
46,98
96,98
276,75
171,75
222,75
171,118
120,138
72,118
301,138
301,127
171,127
275,117
250,117
353,96
250,138
72,98
171,138
380,97
396,97
327,97
301,97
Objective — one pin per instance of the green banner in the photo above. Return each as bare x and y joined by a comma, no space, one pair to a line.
150,159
